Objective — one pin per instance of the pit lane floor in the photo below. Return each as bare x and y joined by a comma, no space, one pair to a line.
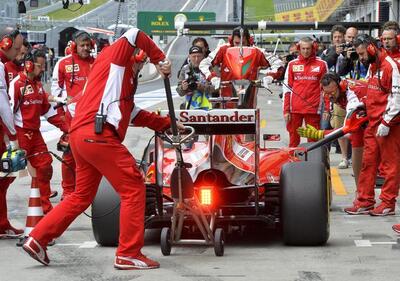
359,248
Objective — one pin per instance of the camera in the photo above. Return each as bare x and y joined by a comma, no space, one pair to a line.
192,81
348,46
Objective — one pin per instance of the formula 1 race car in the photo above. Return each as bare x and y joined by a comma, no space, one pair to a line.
237,182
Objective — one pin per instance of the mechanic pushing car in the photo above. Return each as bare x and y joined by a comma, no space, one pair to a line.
10,46
69,78
29,102
382,135
98,128
349,95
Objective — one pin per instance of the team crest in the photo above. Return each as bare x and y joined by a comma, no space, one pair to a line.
68,68
26,91
298,68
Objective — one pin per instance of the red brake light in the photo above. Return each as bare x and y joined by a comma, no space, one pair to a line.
206,196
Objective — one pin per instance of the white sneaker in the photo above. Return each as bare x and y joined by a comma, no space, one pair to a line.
344,164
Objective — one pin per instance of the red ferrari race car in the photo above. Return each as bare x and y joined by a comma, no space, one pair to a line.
237,182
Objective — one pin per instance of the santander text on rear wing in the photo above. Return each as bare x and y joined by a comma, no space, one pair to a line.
219,121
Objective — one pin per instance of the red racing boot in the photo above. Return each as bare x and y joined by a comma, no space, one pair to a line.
382,209
396,228
358,209
36,251
139,262
11,233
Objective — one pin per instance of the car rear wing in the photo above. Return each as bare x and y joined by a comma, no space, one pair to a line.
219,121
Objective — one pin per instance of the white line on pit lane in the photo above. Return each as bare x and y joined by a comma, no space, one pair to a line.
84,245
368,243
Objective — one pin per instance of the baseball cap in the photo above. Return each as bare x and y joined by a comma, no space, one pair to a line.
195,50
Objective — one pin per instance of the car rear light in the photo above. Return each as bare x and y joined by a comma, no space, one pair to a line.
206,196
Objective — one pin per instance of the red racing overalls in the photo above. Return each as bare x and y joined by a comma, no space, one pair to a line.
109,90
69,78
29,102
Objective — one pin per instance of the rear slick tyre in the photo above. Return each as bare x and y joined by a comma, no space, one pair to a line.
320,155
305,204
105,215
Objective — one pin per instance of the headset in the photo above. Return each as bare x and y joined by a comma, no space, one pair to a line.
67,50
372,47
314,46
397,38
75,37
8,40
372,50
29,61
343,85
140,57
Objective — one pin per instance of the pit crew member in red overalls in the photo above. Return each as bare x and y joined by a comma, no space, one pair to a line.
10,46
29,101
349,95
302,90
382,135
391,42
15,66
217,58
98,150
69,78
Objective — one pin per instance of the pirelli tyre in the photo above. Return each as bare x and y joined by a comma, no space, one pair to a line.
105,215
320,155
305,204
105,212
